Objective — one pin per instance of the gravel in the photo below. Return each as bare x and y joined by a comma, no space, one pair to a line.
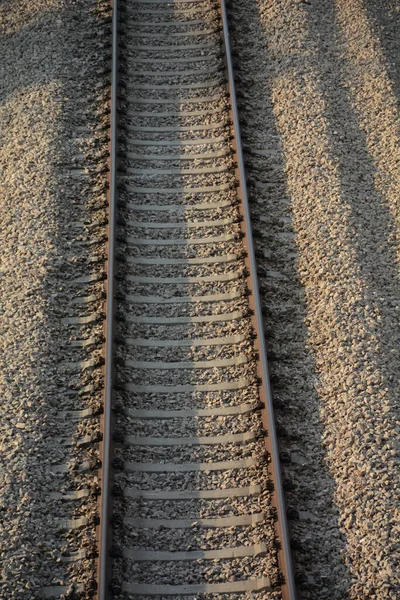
319,98
52,215
319,92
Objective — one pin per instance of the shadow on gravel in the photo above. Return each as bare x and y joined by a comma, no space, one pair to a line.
40,75
311,486
385,17
362,166
372,224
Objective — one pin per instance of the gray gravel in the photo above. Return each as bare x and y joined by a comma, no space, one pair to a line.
319,84
52,216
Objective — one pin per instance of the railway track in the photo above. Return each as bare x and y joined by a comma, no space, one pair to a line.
192,501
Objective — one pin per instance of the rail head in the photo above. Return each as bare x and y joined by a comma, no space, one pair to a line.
104,533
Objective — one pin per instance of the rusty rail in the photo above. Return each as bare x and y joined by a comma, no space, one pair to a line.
104,532
284,554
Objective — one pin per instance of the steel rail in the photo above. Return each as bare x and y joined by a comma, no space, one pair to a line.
104,534
284,554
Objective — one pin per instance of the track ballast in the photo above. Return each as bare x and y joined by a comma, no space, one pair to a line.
197,507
